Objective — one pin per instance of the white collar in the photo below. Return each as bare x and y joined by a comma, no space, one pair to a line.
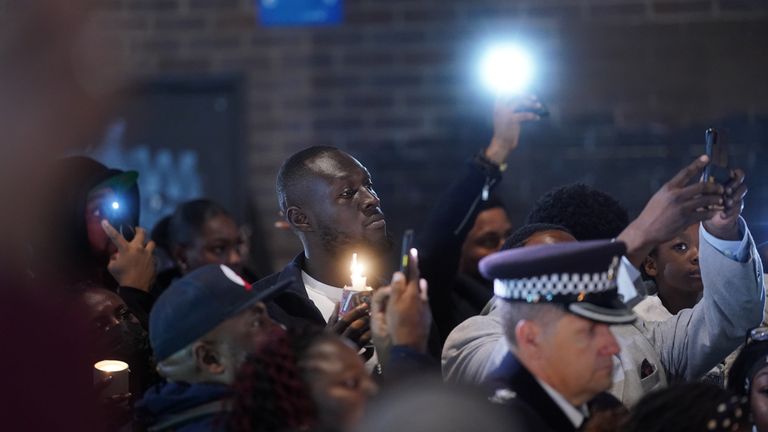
330,291
574,414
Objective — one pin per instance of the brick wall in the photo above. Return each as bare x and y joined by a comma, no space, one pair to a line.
631,85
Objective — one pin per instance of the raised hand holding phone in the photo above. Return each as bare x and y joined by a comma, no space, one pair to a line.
717,170
133,265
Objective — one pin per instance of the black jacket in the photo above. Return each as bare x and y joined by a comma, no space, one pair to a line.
529,404
292,307
516,388
181,407
454,297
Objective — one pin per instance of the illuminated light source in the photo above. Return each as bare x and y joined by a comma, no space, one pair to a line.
359,292
358,280
115,205
117,372
506,69
111,366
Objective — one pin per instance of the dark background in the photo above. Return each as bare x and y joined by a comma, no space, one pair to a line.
632,85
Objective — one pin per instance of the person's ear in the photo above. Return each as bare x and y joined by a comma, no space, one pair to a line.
649,265
298,219
180,257
208,359
528,337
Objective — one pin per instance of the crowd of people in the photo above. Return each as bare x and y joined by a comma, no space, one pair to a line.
580,319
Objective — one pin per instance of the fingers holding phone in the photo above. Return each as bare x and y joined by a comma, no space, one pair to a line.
133,265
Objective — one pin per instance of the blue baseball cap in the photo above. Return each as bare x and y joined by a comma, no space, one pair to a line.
197,303
579,276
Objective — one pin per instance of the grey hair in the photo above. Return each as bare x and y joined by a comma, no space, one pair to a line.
543,314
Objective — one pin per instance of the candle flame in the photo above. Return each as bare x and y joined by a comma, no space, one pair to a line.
111,366
356,267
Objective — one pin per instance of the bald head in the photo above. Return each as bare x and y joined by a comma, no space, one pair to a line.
327,197
308,164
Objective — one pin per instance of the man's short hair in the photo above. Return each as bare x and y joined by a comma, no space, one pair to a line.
587,212
513,312
294,171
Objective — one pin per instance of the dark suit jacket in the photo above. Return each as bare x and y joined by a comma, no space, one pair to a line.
528,403
292,307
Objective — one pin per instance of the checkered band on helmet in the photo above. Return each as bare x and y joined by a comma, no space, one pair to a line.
547,286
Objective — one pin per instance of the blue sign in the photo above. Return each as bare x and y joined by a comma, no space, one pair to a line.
299,12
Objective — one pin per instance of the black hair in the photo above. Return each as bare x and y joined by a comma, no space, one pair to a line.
189,218
743,368
293,171
493,201
161,233
523,233
588,213
693,406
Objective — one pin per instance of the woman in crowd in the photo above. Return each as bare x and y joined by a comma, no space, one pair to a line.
301,380
203,232
749,377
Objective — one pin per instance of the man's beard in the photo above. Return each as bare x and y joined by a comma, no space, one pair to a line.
338,243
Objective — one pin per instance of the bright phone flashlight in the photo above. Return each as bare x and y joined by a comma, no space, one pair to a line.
115,205
506,69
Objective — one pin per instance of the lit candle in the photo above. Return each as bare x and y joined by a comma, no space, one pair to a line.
358,280
119,372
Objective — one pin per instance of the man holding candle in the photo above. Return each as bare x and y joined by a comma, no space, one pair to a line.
328,199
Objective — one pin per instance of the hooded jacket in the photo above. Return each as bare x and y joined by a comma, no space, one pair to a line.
62,251
182,407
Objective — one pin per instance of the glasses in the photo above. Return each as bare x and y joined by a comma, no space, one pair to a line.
757,334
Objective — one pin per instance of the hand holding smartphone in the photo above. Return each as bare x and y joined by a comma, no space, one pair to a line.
407,265
717,170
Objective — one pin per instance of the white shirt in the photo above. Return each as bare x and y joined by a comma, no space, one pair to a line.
575,415
324,296
651,309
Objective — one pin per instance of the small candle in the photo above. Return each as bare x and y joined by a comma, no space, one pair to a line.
119,372
358,280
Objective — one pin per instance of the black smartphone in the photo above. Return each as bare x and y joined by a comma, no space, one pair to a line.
541,110
405,252
116,212
717,170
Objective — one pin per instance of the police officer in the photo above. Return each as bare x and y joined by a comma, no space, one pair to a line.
559,303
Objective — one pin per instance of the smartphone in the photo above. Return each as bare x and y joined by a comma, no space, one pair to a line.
117,214
405,252
717,170
541,111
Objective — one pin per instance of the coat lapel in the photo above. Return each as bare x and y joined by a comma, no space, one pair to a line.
514,376
294,300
